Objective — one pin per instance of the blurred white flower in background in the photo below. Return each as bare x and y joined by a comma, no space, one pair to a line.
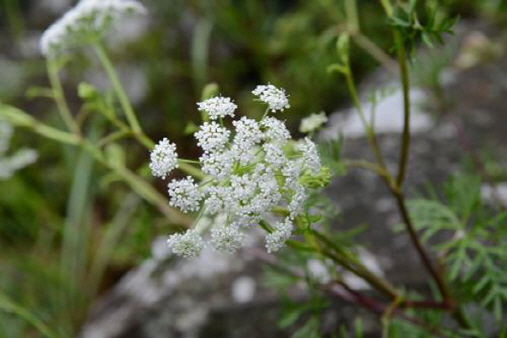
20,159
312,123
87,22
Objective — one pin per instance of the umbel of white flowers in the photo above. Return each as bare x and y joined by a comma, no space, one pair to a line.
312,122
20,159
251,170
87,22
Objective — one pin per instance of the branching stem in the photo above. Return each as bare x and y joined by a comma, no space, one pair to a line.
405,82
59,97
118,87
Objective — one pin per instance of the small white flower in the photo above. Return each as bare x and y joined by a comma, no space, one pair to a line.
281,233
163,158
217,164
227,239
269,192
248,134
312,122
310,157
274,155
212,136
88,21
217,198
218,107
291,171
243,187
20,159
274,97
275,130
184,194
298,200
188,245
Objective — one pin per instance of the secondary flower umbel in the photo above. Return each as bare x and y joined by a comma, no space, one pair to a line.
274,97
254,170
88,21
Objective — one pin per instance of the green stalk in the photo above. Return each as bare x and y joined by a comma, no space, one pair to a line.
369,131
140,186
341,258
442,286
21,119
118,88
405,81
129,111
388,8
351,14
58,95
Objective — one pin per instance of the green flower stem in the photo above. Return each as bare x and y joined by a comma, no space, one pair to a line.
442,286
58,96
182,160
375,51
370,133
342,259
388,8
351,264
118,88
115,136
190,169
395,187
140,186
21,119
405,81
368,166
351,15
266,112
379,284
129,111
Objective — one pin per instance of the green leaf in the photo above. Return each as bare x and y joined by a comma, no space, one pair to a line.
291,317
309,330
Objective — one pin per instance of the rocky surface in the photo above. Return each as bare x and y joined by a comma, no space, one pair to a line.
222,296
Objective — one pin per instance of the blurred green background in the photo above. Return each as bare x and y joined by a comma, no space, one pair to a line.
64,213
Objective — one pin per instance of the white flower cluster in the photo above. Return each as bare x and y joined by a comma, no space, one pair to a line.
185,194
253,169
188,245
163,158
217,107
87,21
274,97
312,122
20,159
